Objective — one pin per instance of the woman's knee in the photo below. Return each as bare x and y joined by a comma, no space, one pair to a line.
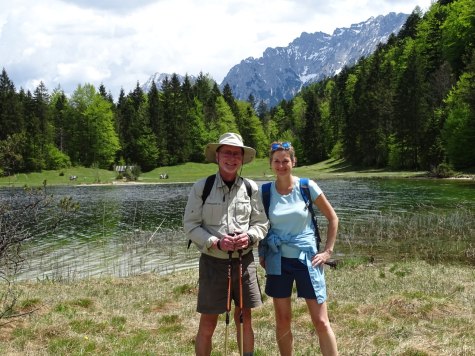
322,325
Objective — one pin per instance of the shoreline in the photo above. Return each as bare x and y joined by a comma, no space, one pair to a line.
92,177
137,183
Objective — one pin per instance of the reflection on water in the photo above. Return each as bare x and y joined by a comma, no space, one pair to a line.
124,230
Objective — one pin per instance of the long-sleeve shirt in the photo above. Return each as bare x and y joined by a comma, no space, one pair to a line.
225,211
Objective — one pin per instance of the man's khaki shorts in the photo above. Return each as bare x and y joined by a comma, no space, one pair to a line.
213,284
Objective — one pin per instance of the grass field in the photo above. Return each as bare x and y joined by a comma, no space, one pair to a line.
190,172
405,308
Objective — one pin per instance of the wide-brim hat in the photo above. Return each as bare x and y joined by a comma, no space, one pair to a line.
230,139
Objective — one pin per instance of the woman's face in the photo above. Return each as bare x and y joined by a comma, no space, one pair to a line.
281,163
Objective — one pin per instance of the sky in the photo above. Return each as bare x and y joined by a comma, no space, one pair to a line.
66,43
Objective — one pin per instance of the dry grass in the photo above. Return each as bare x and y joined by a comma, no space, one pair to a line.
410,308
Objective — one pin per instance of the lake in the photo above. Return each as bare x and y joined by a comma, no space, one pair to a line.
123,230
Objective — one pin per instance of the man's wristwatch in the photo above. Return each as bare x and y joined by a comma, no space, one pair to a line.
252,240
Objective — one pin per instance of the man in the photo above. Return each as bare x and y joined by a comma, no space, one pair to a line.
228,221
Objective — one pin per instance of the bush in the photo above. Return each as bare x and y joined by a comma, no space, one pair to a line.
131,173
443,170
55,159
337,151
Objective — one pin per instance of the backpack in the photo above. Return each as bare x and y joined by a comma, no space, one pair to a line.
209,185
305,191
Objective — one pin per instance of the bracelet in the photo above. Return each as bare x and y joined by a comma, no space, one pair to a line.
219,245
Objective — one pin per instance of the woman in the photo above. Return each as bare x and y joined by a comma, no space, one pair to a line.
289,251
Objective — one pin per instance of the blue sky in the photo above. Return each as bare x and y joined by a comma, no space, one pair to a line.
119,42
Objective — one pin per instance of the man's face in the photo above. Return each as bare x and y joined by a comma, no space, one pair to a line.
229,159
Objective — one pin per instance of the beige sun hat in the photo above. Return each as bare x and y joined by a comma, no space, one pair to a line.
231,139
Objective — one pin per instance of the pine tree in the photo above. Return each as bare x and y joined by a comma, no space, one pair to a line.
33,160
411,111
312,134
139,140
11,119
59,104
251,129
459,129
231,101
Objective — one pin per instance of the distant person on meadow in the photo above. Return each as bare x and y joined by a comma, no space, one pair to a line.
225,227
289,252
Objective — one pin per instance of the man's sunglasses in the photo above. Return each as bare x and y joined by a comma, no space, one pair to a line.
284,145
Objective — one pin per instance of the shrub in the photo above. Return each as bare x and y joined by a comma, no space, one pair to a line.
443,170
55,159
337,151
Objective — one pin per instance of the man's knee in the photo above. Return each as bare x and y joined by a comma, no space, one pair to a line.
246,316
208,324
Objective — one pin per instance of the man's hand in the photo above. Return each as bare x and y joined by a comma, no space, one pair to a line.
241,241
228,243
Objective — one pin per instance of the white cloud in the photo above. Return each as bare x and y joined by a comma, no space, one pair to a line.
111,5
71,42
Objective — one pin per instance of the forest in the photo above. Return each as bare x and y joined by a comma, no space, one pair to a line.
410,105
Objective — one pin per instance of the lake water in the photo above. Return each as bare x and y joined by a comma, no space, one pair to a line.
123,230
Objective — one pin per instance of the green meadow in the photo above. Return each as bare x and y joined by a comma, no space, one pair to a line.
189,172
406,308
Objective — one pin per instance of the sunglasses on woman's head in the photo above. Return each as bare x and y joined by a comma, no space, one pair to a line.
284,145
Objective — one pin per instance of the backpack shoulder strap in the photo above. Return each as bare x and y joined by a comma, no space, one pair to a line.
248,187
208,186
206,190
305,191
266,197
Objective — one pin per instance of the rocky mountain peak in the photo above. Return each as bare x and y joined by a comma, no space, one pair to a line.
282,71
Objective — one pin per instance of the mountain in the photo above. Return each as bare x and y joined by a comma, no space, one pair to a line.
281,72
158,78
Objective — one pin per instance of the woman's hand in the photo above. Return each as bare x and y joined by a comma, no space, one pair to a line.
321,258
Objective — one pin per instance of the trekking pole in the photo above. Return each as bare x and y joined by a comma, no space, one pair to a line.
241,323
228,302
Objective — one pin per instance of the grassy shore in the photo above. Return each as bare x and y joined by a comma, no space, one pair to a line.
190,172
405,308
